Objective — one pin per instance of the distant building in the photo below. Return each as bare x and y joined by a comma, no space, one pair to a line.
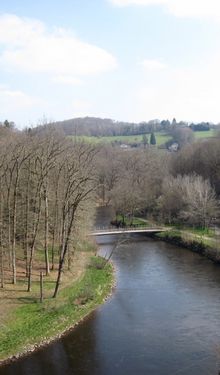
174,147
124,146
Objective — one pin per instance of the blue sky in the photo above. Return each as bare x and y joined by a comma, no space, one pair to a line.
131,60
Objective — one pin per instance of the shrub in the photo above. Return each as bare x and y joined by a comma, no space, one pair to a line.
97,262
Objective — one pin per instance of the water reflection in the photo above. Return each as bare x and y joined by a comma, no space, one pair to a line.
163,319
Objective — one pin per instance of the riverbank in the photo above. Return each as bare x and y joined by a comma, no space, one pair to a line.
202,241
201,244
34,324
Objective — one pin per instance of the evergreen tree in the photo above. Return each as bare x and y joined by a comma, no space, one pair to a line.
152,139
174,122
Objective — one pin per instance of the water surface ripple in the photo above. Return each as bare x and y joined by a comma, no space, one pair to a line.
163,319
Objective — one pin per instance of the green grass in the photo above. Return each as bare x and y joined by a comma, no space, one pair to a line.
86,246
134,221
40,254
202,231
205,134
169,234
161,138
35,322
198,235
82,245
199,231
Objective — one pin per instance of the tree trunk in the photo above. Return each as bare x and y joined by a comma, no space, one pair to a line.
1,238
14,230
41,287
63,252
30,266
9,227
2,267
55,236
46,216
27,208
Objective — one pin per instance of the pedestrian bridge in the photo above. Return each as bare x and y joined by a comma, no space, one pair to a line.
127,230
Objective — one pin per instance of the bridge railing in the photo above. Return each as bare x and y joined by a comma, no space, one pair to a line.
121,229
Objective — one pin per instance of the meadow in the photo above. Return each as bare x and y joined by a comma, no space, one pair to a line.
127,139
161,138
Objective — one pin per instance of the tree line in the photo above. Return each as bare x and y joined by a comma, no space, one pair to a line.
180,188
98,127
46,186
50,184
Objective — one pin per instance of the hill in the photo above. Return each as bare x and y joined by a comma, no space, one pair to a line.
98,127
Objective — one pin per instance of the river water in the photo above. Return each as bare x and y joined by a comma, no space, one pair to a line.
163,319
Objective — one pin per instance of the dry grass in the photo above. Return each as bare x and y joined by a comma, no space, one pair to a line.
12,296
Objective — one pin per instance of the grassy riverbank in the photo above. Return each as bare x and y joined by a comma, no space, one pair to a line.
131,221
33,323
202,242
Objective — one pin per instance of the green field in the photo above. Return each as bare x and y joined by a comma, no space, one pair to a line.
205,134
161,138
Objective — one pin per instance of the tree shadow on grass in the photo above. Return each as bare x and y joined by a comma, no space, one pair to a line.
27,300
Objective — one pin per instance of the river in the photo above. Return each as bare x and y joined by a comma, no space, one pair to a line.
162,319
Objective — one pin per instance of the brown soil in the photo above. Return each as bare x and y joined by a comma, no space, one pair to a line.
12,296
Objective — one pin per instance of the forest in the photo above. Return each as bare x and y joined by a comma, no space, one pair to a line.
46,185
98,127
173,188
50,185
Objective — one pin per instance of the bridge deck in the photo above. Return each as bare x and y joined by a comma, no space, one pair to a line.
108,231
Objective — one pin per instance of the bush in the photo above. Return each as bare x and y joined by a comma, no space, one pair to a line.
85,295
97,262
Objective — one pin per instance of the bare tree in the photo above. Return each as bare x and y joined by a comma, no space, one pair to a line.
188,199
78,184
201,204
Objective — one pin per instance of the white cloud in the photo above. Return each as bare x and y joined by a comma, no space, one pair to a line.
14,99
180,8
81,105
67,80
16,105
16,31
81,108
195,8
28,46
152,65
187,94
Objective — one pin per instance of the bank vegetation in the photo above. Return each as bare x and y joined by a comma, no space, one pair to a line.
47,202
49,187
179,188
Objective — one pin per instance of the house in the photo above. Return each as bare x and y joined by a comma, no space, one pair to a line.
174,147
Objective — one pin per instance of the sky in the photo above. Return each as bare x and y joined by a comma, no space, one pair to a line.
129,60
